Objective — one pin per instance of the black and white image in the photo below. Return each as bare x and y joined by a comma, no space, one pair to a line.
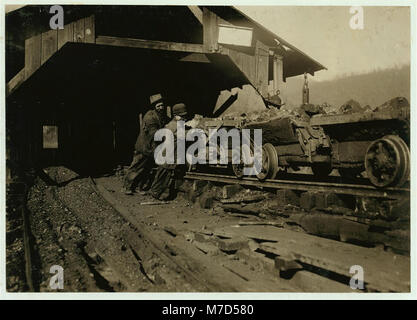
175,148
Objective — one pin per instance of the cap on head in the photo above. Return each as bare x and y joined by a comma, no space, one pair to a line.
156,98
179,109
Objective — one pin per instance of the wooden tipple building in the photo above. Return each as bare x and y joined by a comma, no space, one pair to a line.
87,83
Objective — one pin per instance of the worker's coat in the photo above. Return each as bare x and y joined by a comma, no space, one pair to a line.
152,122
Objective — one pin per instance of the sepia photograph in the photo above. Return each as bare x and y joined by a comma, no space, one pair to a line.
207,148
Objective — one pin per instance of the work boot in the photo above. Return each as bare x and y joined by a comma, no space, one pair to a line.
166,195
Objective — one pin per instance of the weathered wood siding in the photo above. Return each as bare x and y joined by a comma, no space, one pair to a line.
39,48
49,44
253,62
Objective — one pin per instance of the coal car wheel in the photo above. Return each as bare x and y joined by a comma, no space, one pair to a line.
405,160
269,162
387,162
238,170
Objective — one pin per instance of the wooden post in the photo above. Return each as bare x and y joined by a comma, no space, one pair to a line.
278,73
210,31
262,67
90,35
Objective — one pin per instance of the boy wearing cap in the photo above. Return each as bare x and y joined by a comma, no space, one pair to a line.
163,186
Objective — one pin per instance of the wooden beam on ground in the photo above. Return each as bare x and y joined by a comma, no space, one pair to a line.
150,44
315,251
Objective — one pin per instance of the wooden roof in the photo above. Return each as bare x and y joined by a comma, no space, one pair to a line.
297,62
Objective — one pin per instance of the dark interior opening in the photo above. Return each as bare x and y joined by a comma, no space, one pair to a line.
94,95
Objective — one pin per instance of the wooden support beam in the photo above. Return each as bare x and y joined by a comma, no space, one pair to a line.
32,54
90,32
262,68
150,44
197,12
210,31
15,82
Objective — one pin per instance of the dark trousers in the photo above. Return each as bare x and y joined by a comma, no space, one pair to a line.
166,181
163,185
139,171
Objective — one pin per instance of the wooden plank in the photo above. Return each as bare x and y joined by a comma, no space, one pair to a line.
65,35
49,44
197,12
90,32
150,44
330,255
210,30
79,34
32,55
15,82
262,67
278,73
245,62
323,120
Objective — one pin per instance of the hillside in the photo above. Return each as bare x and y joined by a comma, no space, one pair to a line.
372,88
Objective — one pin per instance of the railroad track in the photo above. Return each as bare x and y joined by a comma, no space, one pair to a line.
206,273
180,255
316,186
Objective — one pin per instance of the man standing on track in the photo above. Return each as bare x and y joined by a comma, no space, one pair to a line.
143,158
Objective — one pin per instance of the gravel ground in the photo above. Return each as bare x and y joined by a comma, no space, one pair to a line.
73,227
103,250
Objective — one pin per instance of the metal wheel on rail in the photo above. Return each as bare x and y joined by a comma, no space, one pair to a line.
387,162
269,162
238,167
238,170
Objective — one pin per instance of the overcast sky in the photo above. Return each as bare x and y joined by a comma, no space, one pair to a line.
325,35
